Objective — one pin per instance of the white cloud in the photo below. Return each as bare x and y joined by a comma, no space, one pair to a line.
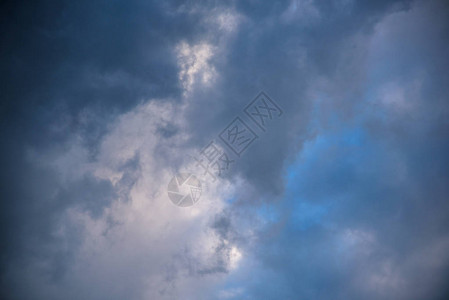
143,241
195,66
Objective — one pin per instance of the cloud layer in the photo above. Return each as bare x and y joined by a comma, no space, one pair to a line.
343,197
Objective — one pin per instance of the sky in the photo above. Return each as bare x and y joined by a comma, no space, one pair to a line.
343,193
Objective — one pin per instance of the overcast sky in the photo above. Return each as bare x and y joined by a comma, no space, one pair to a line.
343,194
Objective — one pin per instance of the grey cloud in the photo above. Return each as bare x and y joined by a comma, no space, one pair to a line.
269,54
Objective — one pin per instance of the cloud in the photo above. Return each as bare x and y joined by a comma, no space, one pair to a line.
343,197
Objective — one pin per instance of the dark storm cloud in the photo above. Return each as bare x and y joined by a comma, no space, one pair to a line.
68,69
